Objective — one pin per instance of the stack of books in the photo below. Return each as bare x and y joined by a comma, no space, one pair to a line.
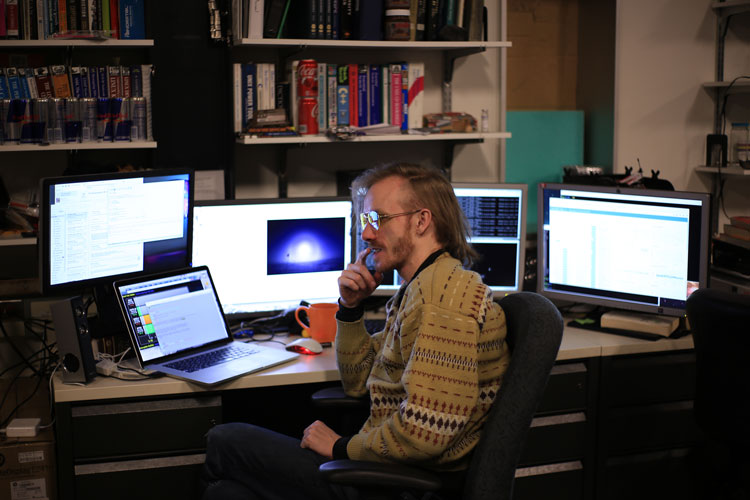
737,231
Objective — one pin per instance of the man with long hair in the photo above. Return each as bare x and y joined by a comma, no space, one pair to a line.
432,374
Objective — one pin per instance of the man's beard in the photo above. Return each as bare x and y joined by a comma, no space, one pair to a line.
399,252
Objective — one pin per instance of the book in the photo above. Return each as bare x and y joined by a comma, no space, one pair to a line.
346,20
293,111
336,19
740,221
102,81
114,17
71,14
93,74
3,31
733,241
405,96
31,80
328,19
136,81
448,12
274,13
255,24
127,90
43,82
321,19
370,19
4,90
83,15
75,81
363,106
740,233
342,95
396,95
374,96
432,20
62,16
106,17
132,20
14,83
413,20
353,92
421,20
60,83
114,81
322,97
332,104
24,83
473,19
303,19
11,19
640,322
385,94
416,95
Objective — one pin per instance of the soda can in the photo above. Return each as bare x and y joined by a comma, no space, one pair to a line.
17,113
26,120
73,122
55,119
121,118
88,106
138,118
308,116
307,78
4,109
103,119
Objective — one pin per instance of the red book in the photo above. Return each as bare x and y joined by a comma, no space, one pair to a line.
742,221
11,18
114,17
43,82
353,68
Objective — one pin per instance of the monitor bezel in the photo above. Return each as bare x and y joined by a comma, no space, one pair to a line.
44,227
271,201
594,300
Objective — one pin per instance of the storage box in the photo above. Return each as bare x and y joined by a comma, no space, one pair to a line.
27,470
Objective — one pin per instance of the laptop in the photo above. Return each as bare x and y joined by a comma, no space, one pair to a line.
177,327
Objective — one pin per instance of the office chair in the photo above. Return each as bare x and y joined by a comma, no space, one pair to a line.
534,332
720,323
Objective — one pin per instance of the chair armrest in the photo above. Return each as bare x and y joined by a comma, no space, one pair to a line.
335,397
379,475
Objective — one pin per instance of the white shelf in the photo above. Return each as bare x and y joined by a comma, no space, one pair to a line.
740,86
13,242
734,170
320,139
70,146
368,44
76,42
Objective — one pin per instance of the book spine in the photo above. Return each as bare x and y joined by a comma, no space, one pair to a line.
4,89
449,12
114,17
375,114
11,19
271,86
113,81
3,29
103,82
321,19
54,20
396,96
106,18
136,81
336,20
93,81
346,23
14,83
363,106
416,95
432,20
385,93
293,104
412,20
272,17
62,16
322,97
83,15
405,96
31,80
421,20
60,83
740,221
329,19
249,98
43,82
76,81
85,92
24,83
332,101
342,95
353,90
255,21
127,89
131,16
370,16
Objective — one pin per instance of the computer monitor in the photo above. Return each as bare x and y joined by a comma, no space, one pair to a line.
633,249
97,228
496,214
271,254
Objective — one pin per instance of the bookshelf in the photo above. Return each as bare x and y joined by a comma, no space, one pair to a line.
75,43
367,44
74,146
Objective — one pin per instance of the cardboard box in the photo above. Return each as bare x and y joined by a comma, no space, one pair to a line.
27,470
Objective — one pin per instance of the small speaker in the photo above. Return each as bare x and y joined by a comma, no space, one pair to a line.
73,340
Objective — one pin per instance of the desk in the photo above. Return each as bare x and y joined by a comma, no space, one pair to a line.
112,431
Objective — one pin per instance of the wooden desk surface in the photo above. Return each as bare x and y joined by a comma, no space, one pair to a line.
577,343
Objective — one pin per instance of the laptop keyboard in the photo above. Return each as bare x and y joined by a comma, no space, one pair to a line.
211,358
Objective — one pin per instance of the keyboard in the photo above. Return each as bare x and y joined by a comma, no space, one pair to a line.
211,358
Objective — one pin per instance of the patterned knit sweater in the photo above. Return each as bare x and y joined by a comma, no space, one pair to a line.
432,374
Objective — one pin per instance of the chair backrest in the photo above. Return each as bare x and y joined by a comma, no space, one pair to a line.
534,332
720,323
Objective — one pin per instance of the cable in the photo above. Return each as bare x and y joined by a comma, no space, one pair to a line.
16,349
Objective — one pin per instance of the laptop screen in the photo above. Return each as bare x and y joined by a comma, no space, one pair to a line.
172,313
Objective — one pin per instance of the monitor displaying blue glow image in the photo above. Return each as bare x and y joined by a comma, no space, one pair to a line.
304,246
268,255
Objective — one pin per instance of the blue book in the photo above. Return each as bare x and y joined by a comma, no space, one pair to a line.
336,20
249,95
342,95
14,83
102,82
24,83
132,20
85,88
93,81
374,96
362,107
405,95
4,89
136,81
370,16
76,81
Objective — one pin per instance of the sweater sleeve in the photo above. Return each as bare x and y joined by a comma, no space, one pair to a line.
441,382
355,353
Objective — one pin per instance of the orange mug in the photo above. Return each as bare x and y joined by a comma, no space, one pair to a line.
322,318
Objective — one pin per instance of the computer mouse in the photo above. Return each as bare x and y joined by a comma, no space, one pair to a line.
305,345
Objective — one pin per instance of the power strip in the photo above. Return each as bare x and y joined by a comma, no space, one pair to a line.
108,368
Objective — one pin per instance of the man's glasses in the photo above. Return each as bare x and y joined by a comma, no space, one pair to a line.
375,219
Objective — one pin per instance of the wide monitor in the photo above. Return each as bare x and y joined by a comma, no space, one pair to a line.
622,248
271,254
97,228
496,214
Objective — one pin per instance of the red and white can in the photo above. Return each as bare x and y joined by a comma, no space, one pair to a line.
307,78
308,116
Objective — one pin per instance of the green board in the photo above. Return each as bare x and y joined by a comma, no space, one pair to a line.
542,143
